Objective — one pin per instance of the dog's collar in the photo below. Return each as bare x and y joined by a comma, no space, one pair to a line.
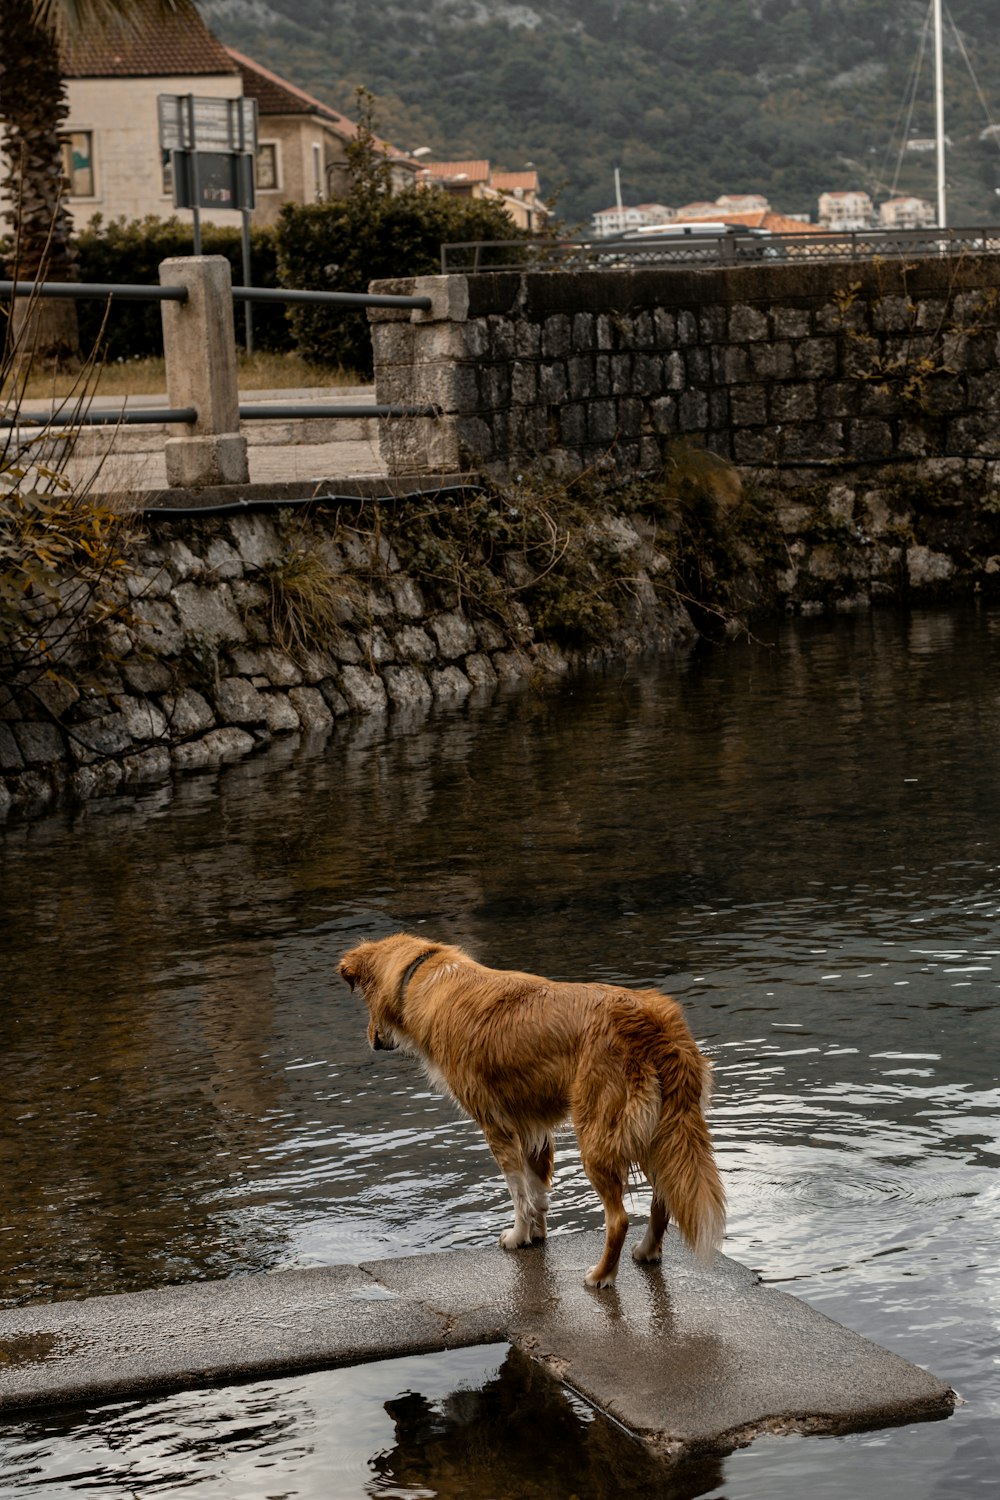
411,969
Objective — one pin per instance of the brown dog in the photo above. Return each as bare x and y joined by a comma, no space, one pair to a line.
521,1054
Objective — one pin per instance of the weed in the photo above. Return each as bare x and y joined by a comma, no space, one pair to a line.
307,602
909,368
63,554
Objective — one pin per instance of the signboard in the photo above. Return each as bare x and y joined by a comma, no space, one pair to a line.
213,179
211,145
191,123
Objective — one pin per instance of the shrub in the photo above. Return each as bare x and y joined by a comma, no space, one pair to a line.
345,243
131,251
342,245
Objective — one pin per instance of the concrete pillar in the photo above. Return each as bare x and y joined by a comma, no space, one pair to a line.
420,357
199,344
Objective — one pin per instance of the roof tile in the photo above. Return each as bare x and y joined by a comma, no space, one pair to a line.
148,44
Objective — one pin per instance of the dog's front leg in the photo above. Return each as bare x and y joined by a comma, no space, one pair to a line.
510,1158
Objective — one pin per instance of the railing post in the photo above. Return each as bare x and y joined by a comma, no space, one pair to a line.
199,345
421,356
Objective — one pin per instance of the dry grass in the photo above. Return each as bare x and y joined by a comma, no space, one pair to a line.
308,602
147,377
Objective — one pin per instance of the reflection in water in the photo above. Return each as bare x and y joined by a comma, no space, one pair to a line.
459,1426
800,840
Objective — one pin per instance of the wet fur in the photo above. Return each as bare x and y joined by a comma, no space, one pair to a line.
522,1054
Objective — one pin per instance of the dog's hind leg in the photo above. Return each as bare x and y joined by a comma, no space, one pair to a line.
650,1247
539,1175
610,1186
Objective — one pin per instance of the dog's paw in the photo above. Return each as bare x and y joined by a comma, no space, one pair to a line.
644,1257
536,1233
513,1239
598,1282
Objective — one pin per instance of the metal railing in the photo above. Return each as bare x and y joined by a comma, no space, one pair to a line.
186,415
694,248
148,293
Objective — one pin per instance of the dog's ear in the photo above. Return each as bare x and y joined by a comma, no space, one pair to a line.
350,968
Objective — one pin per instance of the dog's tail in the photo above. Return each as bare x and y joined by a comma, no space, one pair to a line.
682,1165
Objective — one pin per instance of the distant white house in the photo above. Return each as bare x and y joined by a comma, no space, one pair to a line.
846,210
906,213
612,221
926,142
743,203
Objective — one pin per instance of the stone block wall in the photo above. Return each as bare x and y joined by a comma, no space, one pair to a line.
197,673
769,365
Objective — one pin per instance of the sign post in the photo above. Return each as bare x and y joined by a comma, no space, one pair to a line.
212,145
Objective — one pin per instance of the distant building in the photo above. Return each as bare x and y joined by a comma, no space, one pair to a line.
112,157
756,219
926,142
302,144
700,209
611,221
520,192
743,203
517,192
907,213
847,210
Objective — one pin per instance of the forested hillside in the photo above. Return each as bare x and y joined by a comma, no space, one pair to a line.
690,98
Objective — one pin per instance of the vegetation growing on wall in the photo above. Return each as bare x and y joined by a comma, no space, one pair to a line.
63,553
572,563
930,345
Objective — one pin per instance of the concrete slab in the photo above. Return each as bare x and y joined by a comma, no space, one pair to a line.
211,1332
694,1358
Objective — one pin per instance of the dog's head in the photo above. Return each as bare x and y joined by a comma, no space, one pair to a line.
380,971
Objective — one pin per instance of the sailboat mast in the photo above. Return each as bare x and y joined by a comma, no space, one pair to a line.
942,213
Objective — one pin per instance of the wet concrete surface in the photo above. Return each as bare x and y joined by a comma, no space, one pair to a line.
693,1357
209,1332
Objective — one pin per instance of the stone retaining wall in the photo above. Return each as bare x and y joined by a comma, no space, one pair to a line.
202,668
769,365
200,675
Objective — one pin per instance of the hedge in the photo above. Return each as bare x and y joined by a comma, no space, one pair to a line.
131,251
345,243
338,245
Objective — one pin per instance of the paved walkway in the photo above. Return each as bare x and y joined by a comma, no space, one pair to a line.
693,1358
285,450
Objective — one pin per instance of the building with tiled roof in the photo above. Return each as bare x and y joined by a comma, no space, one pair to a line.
518,191
302,143
462,177
114,79
756,219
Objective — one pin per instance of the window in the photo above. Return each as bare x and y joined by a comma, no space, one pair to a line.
318,171
267,167
78,163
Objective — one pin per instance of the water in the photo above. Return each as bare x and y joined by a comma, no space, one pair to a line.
799,837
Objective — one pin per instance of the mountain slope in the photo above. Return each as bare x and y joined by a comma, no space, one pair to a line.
690,98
